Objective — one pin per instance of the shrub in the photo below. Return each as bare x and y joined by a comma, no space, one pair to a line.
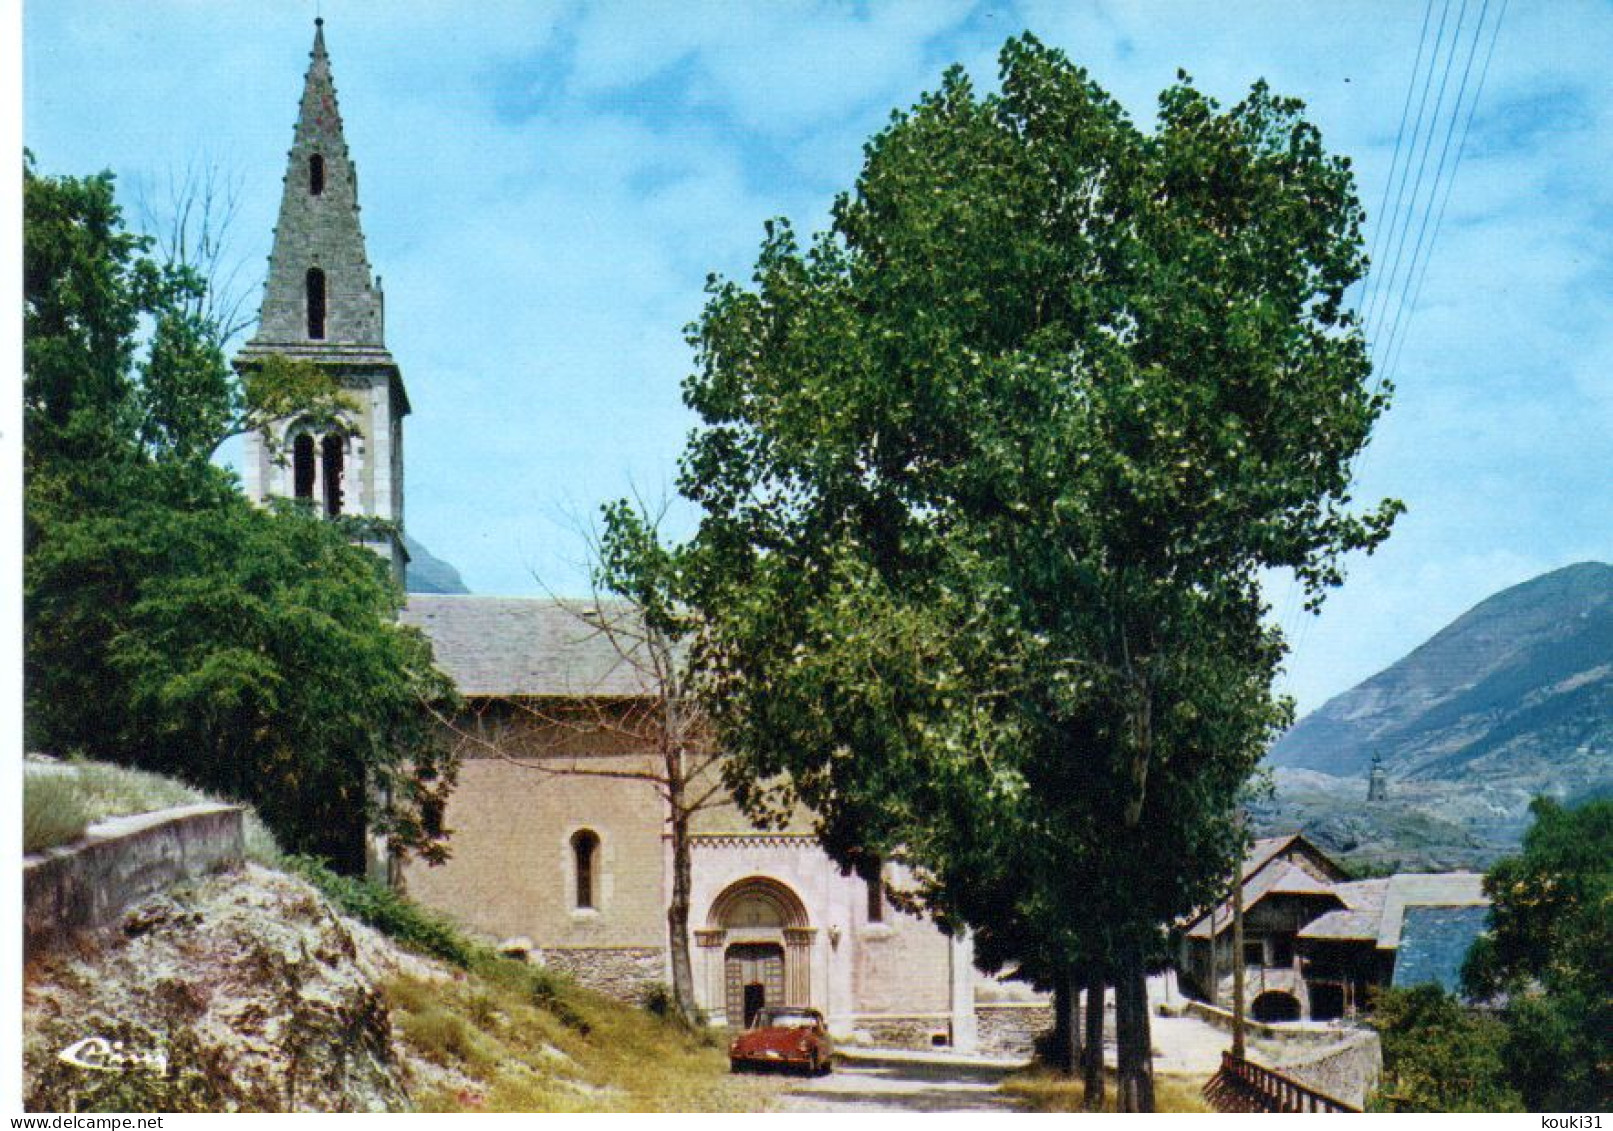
387,911
53,813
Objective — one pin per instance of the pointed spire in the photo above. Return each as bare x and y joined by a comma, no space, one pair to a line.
321,293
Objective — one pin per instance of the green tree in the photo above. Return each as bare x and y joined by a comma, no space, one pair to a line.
1549,950
1440,1056
168,623
988,473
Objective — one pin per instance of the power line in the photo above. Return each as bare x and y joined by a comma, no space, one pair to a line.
1394,162
1385,279
1417,185
1433,192
1393,357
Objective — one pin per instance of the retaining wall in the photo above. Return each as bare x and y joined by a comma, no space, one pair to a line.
88,883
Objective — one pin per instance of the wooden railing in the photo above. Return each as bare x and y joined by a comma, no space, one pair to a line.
1242,1085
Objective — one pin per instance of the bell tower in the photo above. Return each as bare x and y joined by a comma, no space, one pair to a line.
323,304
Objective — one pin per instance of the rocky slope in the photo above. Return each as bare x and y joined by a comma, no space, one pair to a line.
243,992
1511,700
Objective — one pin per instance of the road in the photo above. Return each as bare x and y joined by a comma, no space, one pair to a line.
863,1087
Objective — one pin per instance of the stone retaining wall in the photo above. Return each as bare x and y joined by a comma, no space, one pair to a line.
900,1032
621,972
88,883
1010,1029
1348,1072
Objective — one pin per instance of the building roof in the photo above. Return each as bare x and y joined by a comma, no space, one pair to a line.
1426,889
1376,910
1259,881
1361,926
525,646
1434,942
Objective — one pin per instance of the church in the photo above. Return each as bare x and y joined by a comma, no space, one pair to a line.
559,836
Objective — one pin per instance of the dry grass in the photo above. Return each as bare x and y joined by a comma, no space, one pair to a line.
98,791
512,1038
1042,1090
53,813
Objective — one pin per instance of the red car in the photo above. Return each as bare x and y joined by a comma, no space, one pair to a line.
784,1036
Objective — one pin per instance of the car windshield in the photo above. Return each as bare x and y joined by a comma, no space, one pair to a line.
785,1019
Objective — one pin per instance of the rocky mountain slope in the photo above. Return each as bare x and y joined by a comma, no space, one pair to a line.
1512,699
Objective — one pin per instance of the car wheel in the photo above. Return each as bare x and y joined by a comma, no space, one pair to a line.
735,1064
827,1066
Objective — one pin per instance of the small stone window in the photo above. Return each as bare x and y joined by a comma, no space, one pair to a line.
316,303
302,463
876,896
584,851
316,175
332,457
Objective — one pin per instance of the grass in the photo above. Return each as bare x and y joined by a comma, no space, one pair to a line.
53,813
60,800
388,912
517,1038
1040,1089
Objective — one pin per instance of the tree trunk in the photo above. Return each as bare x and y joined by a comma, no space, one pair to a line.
1132,1038
1092,1052
1238,964
1061,1047
677,916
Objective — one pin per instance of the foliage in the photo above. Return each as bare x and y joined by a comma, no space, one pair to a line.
387,911
169,623
1549,950
988,473
511,1049
53,812
1440,1056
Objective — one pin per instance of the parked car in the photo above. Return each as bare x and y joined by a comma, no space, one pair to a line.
784,1036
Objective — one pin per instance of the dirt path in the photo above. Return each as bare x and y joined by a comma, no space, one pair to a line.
858,1087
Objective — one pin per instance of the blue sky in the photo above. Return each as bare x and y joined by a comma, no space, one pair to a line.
545,187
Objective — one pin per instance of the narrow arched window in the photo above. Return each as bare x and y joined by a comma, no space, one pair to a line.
302,464
316,175
876,897
584,849
316,303
331,459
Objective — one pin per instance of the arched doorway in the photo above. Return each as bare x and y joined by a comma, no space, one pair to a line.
759,927
1275,1005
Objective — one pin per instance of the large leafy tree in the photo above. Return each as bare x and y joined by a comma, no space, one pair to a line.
168,623
988,473
1549,950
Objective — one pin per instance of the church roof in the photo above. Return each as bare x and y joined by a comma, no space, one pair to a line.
318,232
527,646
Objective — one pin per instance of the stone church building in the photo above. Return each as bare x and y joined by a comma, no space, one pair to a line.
558,842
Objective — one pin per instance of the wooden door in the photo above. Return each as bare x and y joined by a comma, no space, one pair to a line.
755,977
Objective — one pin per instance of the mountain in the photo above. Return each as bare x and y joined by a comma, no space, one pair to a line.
1512,699
429,574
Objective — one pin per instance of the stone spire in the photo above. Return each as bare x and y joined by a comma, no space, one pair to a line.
319,231
323,304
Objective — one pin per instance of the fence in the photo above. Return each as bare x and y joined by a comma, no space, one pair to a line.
1242,1085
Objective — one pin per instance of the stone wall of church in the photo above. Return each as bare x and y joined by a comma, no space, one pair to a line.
622,972
513,869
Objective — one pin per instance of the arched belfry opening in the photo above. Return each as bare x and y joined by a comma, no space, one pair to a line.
303,467
332,460
316,174
758,948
